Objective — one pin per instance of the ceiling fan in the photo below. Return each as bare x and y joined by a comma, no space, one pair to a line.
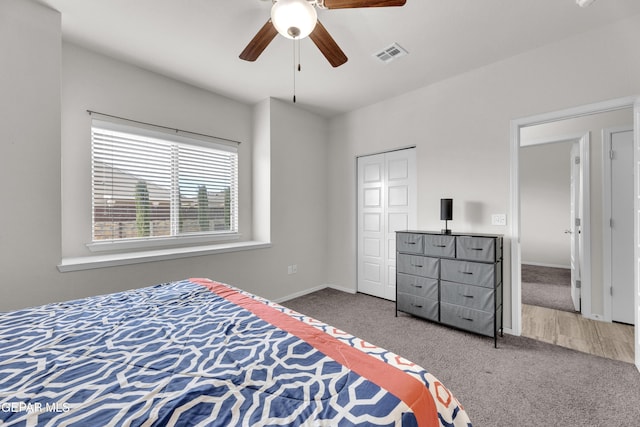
297,19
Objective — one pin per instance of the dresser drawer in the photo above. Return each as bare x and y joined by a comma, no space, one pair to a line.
418,265
440,245
416,285
467,318
476,248
471,296
471,273
419,306
410,243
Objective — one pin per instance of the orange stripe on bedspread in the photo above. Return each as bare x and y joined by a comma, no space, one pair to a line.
402,385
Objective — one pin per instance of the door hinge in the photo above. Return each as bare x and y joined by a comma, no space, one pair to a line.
610,222
577,223
578,284
611,290
577,160
612,154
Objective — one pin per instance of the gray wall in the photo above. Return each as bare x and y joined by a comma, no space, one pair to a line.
30,42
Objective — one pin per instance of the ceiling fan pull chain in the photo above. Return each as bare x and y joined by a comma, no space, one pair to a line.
294,70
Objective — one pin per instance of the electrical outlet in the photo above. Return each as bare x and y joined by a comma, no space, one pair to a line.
292,269
499,219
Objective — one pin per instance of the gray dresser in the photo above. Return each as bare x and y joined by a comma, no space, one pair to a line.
454,279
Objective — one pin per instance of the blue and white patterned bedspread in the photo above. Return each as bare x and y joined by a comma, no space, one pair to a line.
183,354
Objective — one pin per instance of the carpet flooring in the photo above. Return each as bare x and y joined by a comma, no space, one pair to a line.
548,287
523,382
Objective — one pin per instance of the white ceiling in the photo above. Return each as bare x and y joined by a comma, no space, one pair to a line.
198,41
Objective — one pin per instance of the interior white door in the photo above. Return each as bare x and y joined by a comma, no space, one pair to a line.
575,225
386,203
622,285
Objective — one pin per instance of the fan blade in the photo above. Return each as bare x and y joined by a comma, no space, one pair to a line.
327,45
352,4
259,42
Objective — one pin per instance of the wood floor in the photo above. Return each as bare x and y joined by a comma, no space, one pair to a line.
610,340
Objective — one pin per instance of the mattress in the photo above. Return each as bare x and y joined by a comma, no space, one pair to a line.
199,352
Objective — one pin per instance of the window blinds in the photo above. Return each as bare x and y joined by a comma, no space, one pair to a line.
148,184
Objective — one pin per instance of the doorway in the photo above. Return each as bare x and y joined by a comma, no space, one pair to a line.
552,211
387,202
593,303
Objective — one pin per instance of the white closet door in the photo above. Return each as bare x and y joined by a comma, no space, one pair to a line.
621,226
386,203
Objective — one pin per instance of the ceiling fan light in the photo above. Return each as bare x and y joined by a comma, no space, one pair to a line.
294,19
584,3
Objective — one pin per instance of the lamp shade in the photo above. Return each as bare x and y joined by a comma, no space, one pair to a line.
446,209
294,19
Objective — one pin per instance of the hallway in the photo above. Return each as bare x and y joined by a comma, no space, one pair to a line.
571,330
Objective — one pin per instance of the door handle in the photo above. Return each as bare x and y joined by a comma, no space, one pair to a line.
568,231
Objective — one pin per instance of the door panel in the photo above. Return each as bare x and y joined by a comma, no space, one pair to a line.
400,207
371,225
372,198
398,196
371,248
371,222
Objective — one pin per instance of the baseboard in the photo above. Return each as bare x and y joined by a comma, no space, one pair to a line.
342,289
540,264
299,294
509,331
312,290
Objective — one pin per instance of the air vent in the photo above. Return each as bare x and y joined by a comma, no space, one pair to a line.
392,52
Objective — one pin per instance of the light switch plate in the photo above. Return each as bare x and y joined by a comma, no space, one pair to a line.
499,219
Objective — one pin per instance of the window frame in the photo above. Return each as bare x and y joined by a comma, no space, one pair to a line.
192,239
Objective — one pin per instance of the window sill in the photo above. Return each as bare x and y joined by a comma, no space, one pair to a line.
113,260
150,244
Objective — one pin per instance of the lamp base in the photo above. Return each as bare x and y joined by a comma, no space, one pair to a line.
446,230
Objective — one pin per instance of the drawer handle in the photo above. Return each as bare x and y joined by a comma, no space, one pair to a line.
466,296
477,249
416,305
417,286
440,246
465,272
409,243
416,265
466,318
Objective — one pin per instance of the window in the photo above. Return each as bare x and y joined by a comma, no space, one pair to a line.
149,186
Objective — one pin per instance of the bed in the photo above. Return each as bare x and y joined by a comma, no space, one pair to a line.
199,352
